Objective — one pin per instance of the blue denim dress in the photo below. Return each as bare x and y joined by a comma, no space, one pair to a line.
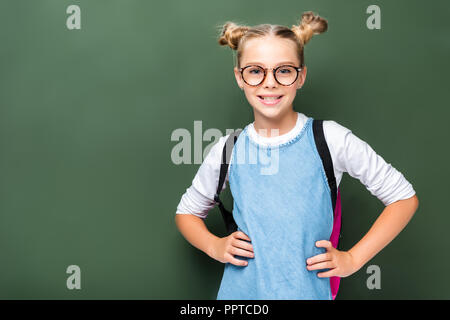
282,202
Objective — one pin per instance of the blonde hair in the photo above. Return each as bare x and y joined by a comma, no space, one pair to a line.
235,36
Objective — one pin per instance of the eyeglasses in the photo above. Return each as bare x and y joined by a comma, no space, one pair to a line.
254,75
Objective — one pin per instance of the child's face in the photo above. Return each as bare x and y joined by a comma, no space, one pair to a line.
270,52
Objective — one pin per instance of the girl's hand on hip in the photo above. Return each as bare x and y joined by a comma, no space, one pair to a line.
225,248
341,263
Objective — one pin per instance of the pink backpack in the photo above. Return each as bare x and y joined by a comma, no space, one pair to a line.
335,235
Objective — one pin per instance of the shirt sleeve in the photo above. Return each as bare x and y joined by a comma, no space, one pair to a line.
199,197
356,157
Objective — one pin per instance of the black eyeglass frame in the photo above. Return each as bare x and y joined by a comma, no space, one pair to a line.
274,71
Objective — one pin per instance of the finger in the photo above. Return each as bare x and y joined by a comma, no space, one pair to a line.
241,235
319,258
321,265
330,273
236,262
241,252
242,244
324,244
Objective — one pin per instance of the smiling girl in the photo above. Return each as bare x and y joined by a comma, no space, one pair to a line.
285,218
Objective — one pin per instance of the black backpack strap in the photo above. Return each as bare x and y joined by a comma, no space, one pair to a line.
226,156
322,147
324,152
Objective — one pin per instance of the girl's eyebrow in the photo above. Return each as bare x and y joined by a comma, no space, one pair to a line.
280,63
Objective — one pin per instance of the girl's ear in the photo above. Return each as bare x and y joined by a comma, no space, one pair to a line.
302,77
238,77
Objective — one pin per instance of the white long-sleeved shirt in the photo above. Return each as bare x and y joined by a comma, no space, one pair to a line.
348,152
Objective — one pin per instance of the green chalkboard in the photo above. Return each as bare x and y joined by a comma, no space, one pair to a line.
86,119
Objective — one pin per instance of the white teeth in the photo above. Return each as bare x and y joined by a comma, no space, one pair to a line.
270,98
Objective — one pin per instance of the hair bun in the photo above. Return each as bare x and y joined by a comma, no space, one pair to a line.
231,35
310,24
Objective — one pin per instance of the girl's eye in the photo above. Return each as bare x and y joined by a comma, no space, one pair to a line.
254,71
285,71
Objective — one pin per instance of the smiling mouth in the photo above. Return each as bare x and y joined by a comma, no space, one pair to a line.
270,101
269,98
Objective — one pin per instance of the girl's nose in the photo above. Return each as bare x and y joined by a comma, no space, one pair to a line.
270,81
